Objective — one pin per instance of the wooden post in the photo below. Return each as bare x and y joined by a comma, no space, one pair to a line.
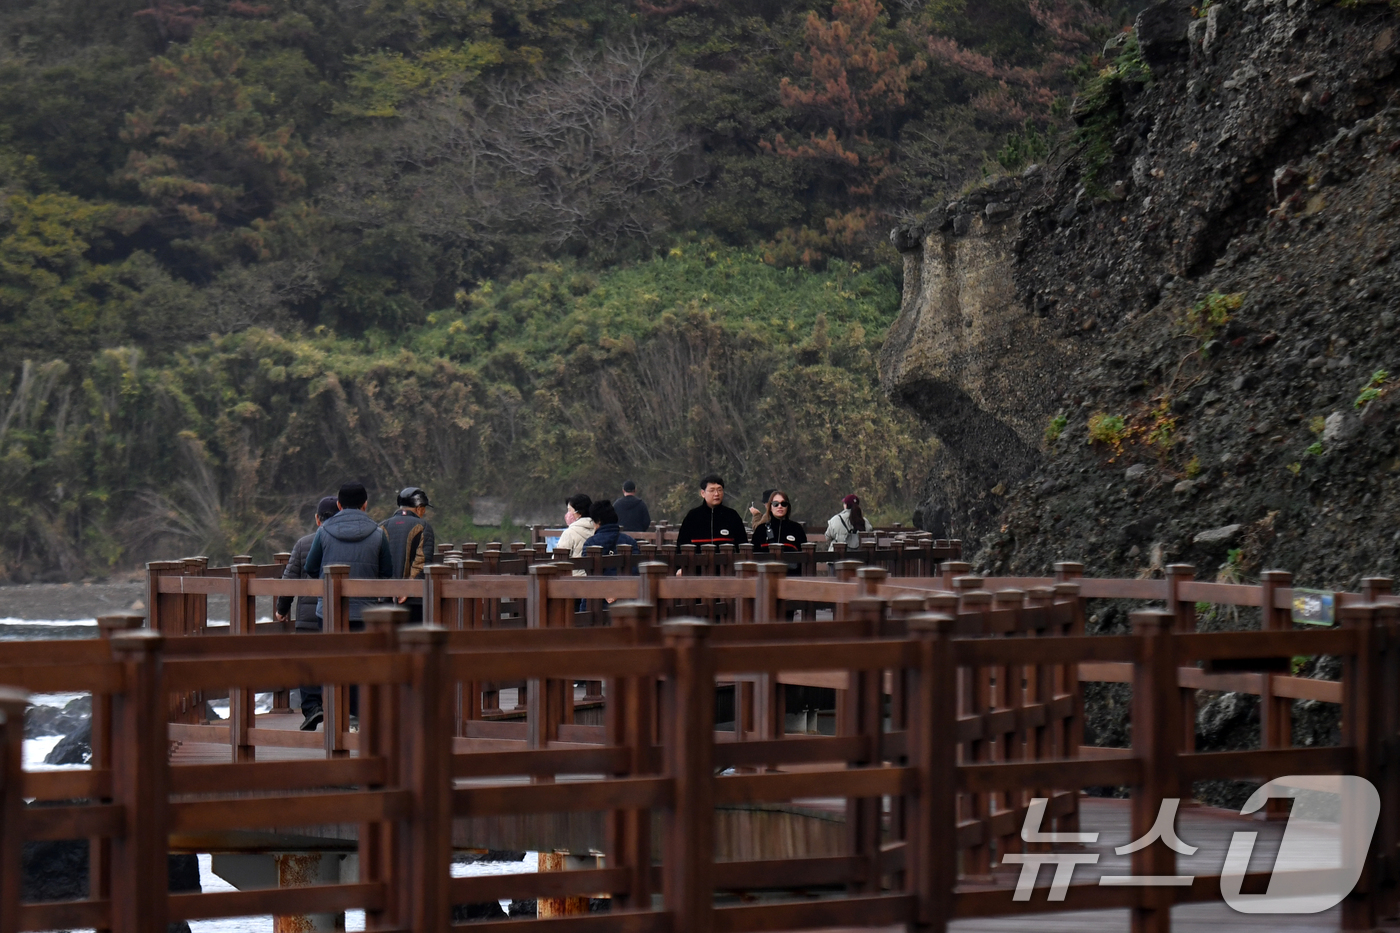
1365,696
335,698
1275,712
931,866
241,698
628,721
100,847
139,774
687,869
426,769
381,736
861,707
546,699
1156,741
12,706
766,605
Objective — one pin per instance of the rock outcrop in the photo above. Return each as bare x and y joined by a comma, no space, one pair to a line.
1189,323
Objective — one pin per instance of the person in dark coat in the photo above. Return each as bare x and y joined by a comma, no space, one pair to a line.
306,620
351,537
712,522
632,512
411,544
609,533
777,526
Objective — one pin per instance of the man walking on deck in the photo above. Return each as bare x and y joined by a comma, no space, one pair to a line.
306,620
351,537
411,544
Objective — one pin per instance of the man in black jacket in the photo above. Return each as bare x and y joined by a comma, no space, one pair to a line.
306,605
712,522
632,512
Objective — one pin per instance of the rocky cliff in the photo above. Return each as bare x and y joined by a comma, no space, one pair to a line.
1176,341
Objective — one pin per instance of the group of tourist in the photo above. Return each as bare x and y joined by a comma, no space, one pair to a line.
401,545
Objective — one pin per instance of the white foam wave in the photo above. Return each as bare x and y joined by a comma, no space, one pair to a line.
10,620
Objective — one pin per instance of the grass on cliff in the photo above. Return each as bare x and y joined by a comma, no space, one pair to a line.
561,381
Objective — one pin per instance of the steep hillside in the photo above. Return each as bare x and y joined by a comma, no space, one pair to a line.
1207,277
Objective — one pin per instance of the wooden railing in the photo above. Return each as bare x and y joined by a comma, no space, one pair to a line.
981,720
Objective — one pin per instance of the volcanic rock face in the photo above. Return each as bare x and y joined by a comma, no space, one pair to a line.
1197,334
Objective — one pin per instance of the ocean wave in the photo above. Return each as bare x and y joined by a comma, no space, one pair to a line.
47,622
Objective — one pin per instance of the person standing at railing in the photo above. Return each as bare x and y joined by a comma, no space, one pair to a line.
778,528
581,527
411,543
847,525
757,514
632,512
351,537
712,522
296,570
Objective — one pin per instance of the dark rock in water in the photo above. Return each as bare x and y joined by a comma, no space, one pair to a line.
530,908
54,871
488,910
58,871
76,749
599,905
52,720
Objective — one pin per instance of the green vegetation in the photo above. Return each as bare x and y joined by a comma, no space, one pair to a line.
1107,429
1055,428
1374,388
1098,108
1209,315
559,381
496,247
1314,449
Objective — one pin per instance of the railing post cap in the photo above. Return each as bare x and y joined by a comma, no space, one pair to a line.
335,570
685,627
1181,570
967,582
907,604
1382,584
976,598
243,568
1151,621
1068,566
1066,589
930,623
141,641
430,636
878,573
851,565
109,625
956,567
1279,576
772,567
437,568
653,566
392,616
629,609
543,570
936,601
12,703
1010,594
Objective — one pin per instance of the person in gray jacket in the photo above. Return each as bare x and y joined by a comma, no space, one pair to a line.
306,620
351,537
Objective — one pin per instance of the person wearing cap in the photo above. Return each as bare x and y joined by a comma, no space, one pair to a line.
632,512
846,526
412,544
296,570
350,537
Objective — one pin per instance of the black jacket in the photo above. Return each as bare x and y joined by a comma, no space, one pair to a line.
718,525
632,513
306,605
789,534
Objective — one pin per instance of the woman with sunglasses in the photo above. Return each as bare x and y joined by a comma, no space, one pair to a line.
777,527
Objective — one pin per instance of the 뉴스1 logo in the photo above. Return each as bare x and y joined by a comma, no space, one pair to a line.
1298,885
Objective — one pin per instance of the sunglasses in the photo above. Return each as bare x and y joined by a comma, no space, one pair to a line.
778,505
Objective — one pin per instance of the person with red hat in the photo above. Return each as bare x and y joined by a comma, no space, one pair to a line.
847,525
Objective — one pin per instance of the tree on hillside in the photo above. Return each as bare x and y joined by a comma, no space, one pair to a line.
855,79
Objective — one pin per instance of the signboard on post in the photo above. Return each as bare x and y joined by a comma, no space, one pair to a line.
1314,607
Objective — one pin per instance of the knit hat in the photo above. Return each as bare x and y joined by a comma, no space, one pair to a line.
851,500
